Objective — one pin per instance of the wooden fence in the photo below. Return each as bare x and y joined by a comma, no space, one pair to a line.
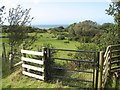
30,66
109,63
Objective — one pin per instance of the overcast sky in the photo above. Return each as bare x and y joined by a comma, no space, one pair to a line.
63,11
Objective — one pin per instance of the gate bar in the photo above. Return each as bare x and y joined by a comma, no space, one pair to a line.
72,70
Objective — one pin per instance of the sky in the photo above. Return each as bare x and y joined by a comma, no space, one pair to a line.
63,11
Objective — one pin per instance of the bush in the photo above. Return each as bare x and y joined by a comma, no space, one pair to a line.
86,55
66,42
54,36
105,39
60,37
70,38
41,35
85,39
69,54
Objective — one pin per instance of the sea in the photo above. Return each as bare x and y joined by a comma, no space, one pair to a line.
48,26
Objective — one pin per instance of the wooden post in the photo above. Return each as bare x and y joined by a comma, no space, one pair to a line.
101,60
24,55
96,71
44,50
4,53
109,63
50,63
10,61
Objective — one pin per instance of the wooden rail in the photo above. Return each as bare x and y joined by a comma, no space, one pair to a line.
32,52
28,66
109,62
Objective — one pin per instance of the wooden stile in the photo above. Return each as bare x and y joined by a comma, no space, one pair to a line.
111,56
27,68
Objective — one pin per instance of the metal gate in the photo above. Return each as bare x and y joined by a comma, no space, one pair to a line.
75,68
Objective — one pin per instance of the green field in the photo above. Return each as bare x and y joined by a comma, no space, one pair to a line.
46,38
15,79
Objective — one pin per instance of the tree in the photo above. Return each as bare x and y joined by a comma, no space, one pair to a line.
114,10
18,20
107,27
83,30
2,12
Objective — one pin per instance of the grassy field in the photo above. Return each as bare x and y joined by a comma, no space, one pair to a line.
46,38
15,79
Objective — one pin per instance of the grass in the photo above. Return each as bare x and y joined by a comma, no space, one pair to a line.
113,82
15,79
45,38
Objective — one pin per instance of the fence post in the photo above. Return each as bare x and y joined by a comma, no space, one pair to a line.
10,61
23,55
4,53
97,71
110,60
101,60
44,50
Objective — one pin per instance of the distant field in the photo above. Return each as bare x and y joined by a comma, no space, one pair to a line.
46,38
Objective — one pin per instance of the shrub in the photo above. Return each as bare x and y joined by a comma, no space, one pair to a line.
66,42
41,35
60,37
69,54
86,55
54,36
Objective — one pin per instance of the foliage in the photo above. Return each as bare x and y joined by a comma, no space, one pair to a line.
83,29
38,30
19,16
18,20
2,12
107,36
107,27
114,10
106,39
66,41
47,45
60,37
17,35
92,49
